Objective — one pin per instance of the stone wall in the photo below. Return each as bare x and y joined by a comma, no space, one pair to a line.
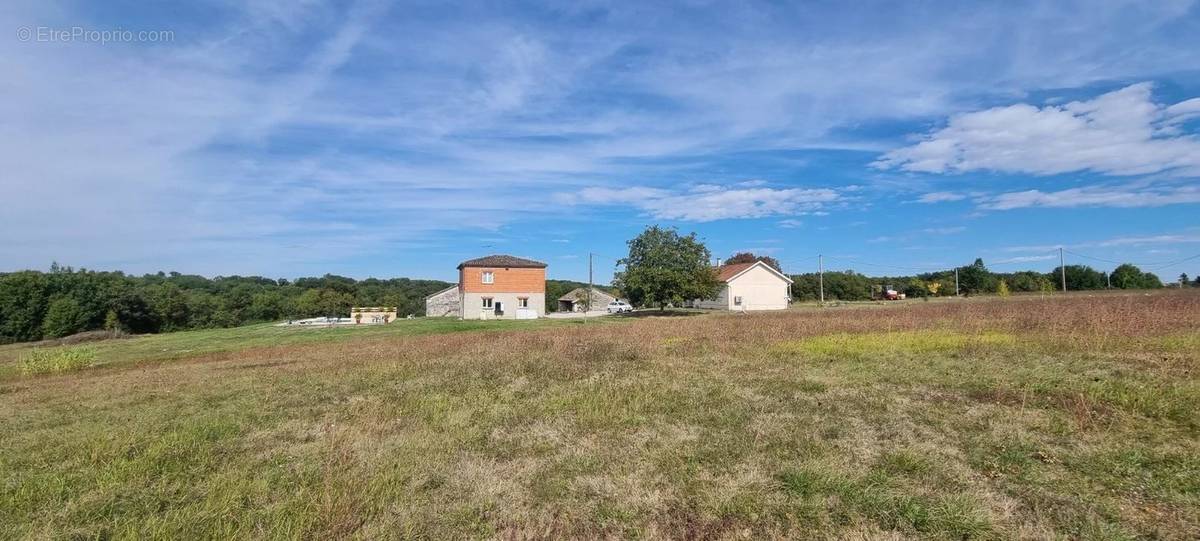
447,303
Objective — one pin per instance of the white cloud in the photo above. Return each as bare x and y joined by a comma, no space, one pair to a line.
790,223
1119,133
1115,242
940,197
1150,239
1095,196
708,202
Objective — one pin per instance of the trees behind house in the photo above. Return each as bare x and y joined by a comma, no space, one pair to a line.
36,305
747,257
664,267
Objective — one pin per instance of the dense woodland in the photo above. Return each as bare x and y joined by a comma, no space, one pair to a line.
36,305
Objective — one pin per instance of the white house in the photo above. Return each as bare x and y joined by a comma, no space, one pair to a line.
750,286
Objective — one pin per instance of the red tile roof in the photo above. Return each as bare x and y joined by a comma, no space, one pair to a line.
729,271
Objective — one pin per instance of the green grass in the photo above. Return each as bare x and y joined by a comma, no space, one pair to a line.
56,360
184,344
804,424
861,346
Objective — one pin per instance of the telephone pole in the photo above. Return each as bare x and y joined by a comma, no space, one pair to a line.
821,276
1062,268
955,281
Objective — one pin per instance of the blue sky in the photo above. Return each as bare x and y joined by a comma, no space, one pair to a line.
288,138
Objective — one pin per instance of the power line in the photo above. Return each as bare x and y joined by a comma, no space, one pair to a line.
1085,256
1173,263
885,265
1150,266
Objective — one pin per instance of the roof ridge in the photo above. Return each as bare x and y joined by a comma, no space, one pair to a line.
502,260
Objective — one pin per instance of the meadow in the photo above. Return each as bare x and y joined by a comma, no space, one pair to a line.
1071,417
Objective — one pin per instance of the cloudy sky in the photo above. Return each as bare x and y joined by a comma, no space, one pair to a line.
289,138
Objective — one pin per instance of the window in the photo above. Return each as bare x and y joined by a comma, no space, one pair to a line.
522,302
737,301
487,302
489,278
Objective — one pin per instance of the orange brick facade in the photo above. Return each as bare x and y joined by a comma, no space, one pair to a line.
506,280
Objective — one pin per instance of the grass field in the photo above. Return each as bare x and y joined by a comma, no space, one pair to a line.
1065,417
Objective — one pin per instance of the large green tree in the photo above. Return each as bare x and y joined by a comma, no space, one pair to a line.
1129,276
24,297
664,267
64,317
975,278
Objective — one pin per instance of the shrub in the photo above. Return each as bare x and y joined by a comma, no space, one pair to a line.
46,361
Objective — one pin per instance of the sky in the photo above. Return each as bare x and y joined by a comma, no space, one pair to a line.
290,138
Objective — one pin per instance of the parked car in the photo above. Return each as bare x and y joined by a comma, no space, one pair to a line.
616,307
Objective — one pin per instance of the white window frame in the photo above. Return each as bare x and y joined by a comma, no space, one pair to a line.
487,302
737,300
522,302
488,277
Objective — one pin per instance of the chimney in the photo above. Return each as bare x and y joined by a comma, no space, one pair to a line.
718,262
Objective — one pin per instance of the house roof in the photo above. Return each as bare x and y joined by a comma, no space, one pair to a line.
453,287
577,294
501,260
729,272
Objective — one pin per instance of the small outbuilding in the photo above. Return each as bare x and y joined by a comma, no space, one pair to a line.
577,300
444,303
749,287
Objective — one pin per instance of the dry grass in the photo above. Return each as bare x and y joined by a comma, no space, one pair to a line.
1063,417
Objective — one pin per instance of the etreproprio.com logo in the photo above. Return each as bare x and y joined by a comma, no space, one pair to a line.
47,34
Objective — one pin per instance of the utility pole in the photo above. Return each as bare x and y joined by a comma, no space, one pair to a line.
1108,278
1062,268
955,281
821,276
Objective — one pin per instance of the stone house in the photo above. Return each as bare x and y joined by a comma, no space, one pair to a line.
576,300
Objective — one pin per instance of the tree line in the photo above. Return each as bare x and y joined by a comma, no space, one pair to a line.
665,268
973,279
36,305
